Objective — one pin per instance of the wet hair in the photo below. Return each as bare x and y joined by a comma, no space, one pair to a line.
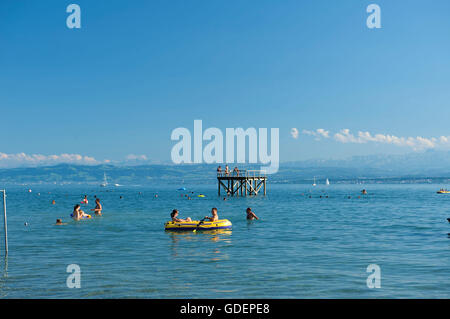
58,220
97,200
248,209
214,209
174,212
76,206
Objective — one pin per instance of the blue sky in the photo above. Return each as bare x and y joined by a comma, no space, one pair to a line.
137,70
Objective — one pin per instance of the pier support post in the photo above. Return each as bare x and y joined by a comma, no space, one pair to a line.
264,187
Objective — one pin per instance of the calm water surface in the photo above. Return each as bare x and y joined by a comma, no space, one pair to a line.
301,248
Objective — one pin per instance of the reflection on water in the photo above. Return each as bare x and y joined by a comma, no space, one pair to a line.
185,241
3,278
214,235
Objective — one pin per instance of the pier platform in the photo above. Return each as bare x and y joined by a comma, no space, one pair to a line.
243,183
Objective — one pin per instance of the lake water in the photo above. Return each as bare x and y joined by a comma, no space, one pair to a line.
300,248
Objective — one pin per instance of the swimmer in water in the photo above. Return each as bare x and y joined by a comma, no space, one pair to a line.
53,202
251,215
85,200
77,212
174,216
59,222
215,216
98,207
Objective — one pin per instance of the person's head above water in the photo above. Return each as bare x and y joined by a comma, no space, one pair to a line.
174,213
58,221
77,206
214,211
97,200
249,210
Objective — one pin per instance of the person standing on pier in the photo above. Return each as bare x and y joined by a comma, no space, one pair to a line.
227,170
219,171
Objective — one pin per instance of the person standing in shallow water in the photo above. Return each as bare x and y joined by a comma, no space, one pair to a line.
98,207
251,215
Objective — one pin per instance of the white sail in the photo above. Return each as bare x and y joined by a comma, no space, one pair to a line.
314,184
105,181
327,182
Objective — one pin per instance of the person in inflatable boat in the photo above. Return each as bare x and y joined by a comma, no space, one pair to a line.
175,218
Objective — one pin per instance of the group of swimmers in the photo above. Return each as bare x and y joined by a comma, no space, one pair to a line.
213,218
78,214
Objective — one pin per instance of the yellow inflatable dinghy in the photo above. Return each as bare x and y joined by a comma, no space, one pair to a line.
197,224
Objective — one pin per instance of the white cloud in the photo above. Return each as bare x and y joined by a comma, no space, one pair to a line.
294,132
416,143
133,157
344,136
318,134
22,159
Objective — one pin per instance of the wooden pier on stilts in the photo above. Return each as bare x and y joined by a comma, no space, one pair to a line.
243,183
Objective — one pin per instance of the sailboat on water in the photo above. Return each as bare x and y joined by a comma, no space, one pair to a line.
105,181
327,182
314,184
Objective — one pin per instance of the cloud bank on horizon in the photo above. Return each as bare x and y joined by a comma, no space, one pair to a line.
417,143
27,160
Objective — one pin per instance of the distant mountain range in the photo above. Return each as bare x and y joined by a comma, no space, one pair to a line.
430,166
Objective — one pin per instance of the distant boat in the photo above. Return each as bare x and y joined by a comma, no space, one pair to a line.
105,181
327,182
117,185
314,184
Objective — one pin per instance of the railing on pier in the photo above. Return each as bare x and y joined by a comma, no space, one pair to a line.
244,173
